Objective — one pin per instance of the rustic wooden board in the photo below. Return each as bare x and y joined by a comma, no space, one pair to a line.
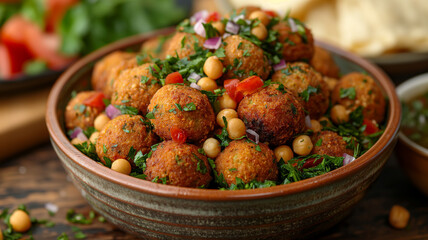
37,177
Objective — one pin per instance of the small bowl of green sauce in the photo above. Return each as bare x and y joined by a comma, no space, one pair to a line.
412,147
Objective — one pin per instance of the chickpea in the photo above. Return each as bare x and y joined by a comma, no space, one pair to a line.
326,121
207,84
302,145
339,114
94,137
283,152
228,113
399,217
20,221
219,26
212,147
262,16
213,67
226,101
236,128
121,165
260,32
316,126
100,121
76,141
331,82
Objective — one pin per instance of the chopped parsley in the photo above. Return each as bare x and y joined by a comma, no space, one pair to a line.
144,80
151,114
293,109
200,167
127,109
307,93
348,93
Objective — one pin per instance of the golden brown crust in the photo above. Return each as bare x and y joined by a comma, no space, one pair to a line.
323,62
244,57
297,77
178,164
135,87
330,143
367,94
156,46
182,44
122,133
294,46
79,115
274,115
242,160
100,75
196,123
115,73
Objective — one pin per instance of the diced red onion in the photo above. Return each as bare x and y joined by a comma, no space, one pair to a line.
347,159
232,27
194,77
280,65
199,15
112,111
254,134
82,136
75,132
226,35
292,24
195,86
308,121
199,28
212,43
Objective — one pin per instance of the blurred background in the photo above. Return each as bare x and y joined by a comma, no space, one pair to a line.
40,38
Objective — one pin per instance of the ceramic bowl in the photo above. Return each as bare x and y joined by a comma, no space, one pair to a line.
412,157
153,210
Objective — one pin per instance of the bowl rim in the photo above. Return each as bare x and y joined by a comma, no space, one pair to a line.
404,89
59,138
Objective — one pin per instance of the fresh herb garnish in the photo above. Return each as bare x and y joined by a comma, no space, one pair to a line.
307,93
348,93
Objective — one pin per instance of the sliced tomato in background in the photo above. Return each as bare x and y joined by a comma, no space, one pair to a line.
5,63
55,11
45,46
13,38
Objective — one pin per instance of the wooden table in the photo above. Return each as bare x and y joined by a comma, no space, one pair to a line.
36,177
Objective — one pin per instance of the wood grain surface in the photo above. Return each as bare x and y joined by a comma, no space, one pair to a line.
36,177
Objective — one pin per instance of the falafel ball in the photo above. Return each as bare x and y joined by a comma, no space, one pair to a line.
77,114
135,87
100,75
297,45
244,58
115,73
178,164
182,44
156,46
330,143
308,85
124,136
323,62
243,159
184,108
357,89
272,112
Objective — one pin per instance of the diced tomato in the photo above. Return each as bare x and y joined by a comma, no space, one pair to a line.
213,17
95,100
271,13
370,127
174,77
311,163
178,135
248,86
5,63
230,86
14,40
55,11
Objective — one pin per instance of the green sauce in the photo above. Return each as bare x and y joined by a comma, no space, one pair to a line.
415,120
